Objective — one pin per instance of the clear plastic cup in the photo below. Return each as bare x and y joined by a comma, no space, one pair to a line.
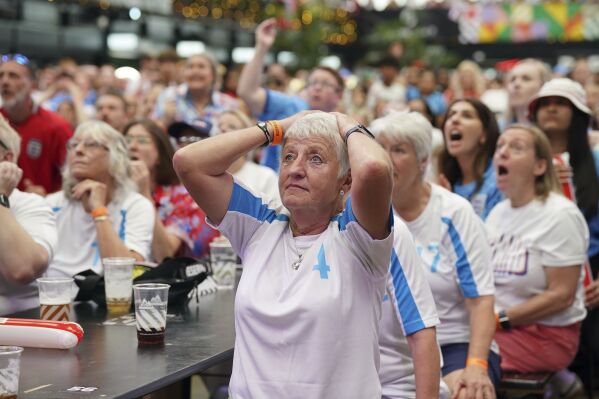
10,364
118,279
223,259
151,302
56,295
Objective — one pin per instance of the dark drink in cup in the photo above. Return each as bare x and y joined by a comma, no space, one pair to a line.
152,337
151,302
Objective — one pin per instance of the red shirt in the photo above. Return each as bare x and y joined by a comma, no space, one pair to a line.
44,137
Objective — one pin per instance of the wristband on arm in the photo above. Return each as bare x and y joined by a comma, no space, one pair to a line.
475,361
99,214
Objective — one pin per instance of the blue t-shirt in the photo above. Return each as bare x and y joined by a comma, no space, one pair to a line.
435,100
278,106
486,197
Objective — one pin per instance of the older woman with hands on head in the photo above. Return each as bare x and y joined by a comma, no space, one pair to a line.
309,299
450,240
99,214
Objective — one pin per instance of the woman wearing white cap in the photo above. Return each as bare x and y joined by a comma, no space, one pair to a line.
560,110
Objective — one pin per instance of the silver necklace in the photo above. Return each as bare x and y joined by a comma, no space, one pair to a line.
297,263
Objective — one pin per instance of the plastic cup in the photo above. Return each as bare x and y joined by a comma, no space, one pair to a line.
55,295
118,279
151,302
10,364
223,259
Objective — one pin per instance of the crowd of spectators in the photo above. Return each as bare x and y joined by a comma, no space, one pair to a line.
495,194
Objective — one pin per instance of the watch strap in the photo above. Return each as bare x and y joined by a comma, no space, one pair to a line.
360,129
504,321
4,201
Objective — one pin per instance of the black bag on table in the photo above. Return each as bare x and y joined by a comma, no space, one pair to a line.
183,274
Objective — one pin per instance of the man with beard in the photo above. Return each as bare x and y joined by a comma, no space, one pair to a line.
111,107
323,92
44,134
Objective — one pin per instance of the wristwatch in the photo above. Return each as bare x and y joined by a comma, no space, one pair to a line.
504,321
4,201
360,129
264,128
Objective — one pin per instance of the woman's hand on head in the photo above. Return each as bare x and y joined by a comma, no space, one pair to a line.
91,193
473,383
141,176
344,123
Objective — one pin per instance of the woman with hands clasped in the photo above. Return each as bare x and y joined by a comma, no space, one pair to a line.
309,300
538,240
450,240
180,227
99,214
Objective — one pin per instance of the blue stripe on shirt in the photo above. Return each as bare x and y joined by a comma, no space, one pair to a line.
243,201
465,276
347,216
410,316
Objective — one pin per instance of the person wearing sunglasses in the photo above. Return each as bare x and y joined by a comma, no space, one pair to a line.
99,212
43,133
28,234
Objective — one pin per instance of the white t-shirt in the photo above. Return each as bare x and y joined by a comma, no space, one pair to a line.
408,307
77,250
527,239
260,179
35,216
310,332
451,241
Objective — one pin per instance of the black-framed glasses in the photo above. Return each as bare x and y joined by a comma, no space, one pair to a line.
18,58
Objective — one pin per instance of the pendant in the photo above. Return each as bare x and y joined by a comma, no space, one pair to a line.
295,265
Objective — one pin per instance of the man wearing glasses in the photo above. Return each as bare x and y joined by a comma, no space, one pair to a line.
28,234
44,134
323,92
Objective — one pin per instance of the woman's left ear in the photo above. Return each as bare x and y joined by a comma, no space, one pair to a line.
540,167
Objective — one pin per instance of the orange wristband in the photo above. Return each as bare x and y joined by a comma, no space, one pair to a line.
101,211
277,135
474,361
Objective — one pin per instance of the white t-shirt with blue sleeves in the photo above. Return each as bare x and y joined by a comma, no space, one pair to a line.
408,307
450,238
310,332
77,249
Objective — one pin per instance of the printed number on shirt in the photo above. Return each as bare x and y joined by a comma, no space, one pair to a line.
430,255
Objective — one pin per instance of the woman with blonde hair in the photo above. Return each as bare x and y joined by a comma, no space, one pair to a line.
523,81
99,213
538,240
466,81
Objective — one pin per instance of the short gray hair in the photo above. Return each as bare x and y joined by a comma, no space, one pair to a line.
10,138
119,165
324,125
412,127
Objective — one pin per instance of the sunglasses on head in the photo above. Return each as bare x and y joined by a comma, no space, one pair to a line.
18,58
